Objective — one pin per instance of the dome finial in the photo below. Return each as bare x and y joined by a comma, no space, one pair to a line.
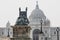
37,5
36,2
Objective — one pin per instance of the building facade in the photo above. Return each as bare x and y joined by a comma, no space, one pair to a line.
39,23
7,31
49,33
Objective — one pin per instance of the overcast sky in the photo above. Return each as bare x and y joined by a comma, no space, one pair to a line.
9,10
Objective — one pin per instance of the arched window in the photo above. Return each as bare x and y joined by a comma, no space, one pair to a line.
54,32
45,38
45,31
36,34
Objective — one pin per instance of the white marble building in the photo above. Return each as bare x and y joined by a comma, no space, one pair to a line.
49,33
4,32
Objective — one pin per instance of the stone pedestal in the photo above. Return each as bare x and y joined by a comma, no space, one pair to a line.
21,32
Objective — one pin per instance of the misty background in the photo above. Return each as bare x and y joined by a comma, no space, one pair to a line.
9,10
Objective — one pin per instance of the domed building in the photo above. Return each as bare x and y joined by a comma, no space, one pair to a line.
38,29
36,15
39,23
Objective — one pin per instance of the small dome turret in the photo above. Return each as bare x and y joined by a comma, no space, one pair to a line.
8,24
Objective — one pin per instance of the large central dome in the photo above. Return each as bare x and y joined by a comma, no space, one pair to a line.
36,16
37,13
